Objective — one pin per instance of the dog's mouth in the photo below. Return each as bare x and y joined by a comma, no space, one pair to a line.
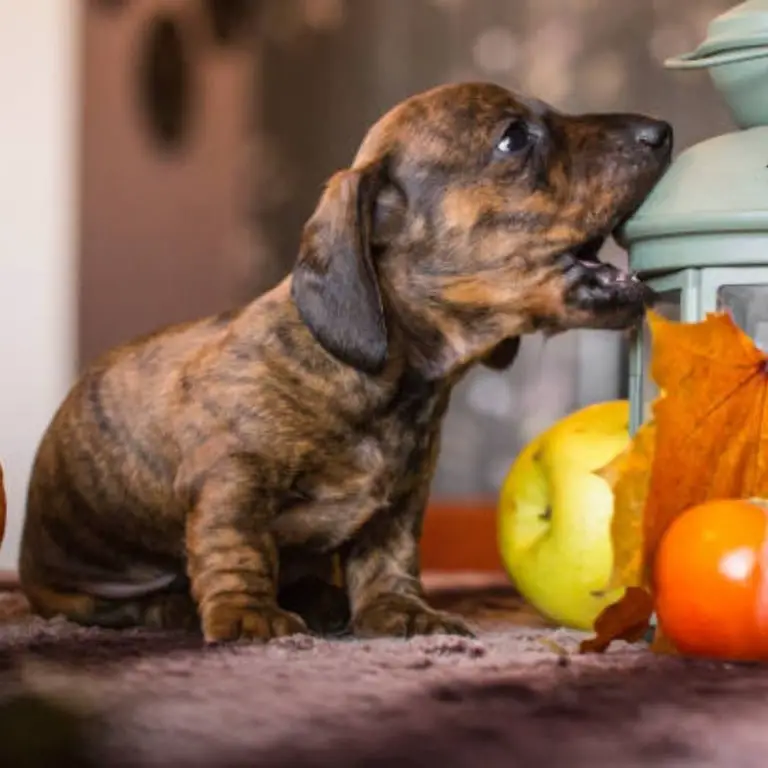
612,296
602,289
583,265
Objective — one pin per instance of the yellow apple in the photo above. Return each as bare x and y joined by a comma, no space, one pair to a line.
555,515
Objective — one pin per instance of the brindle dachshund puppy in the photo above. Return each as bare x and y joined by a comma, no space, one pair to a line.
192,474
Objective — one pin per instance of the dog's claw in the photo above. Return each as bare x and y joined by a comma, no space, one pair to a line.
224,623
402,616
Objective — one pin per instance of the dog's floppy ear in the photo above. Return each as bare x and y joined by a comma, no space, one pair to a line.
334,284
503,354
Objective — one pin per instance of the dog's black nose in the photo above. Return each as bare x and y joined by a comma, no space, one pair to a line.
655,134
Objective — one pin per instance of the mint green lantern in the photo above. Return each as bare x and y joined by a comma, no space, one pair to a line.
701,238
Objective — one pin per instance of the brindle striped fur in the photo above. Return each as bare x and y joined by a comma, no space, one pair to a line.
194,477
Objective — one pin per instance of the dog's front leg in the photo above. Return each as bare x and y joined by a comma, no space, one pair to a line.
232,560
383,578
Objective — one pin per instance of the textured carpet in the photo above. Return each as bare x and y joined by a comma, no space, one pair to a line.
516,696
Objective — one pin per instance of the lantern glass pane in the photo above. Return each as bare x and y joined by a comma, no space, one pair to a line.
748,306
668,306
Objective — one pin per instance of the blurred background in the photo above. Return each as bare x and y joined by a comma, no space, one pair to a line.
159,157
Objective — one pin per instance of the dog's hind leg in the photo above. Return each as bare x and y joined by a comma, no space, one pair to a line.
169,610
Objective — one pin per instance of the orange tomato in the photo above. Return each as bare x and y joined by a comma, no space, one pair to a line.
711,581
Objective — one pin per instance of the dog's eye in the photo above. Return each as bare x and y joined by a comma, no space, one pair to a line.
516,138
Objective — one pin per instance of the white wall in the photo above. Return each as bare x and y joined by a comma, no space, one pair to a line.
101,237
39,94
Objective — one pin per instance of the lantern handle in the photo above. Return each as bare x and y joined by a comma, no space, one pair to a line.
716,59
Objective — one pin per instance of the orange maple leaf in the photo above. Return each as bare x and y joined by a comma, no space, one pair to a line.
712,425
706,441
628,475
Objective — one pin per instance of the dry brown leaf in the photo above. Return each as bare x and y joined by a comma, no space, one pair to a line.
627,619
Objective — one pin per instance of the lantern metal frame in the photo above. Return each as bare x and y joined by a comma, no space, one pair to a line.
698,287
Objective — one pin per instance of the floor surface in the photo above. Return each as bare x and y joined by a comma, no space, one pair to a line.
518,695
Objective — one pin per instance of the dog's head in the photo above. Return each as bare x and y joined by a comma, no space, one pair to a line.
471,216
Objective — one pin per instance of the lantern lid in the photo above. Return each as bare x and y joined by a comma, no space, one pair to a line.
716,188
743,28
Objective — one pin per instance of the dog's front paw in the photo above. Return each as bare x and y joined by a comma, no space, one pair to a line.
403,616
225,622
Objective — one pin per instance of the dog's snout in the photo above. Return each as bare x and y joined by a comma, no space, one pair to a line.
655,134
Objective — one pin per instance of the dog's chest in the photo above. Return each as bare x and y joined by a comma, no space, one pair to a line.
373,470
